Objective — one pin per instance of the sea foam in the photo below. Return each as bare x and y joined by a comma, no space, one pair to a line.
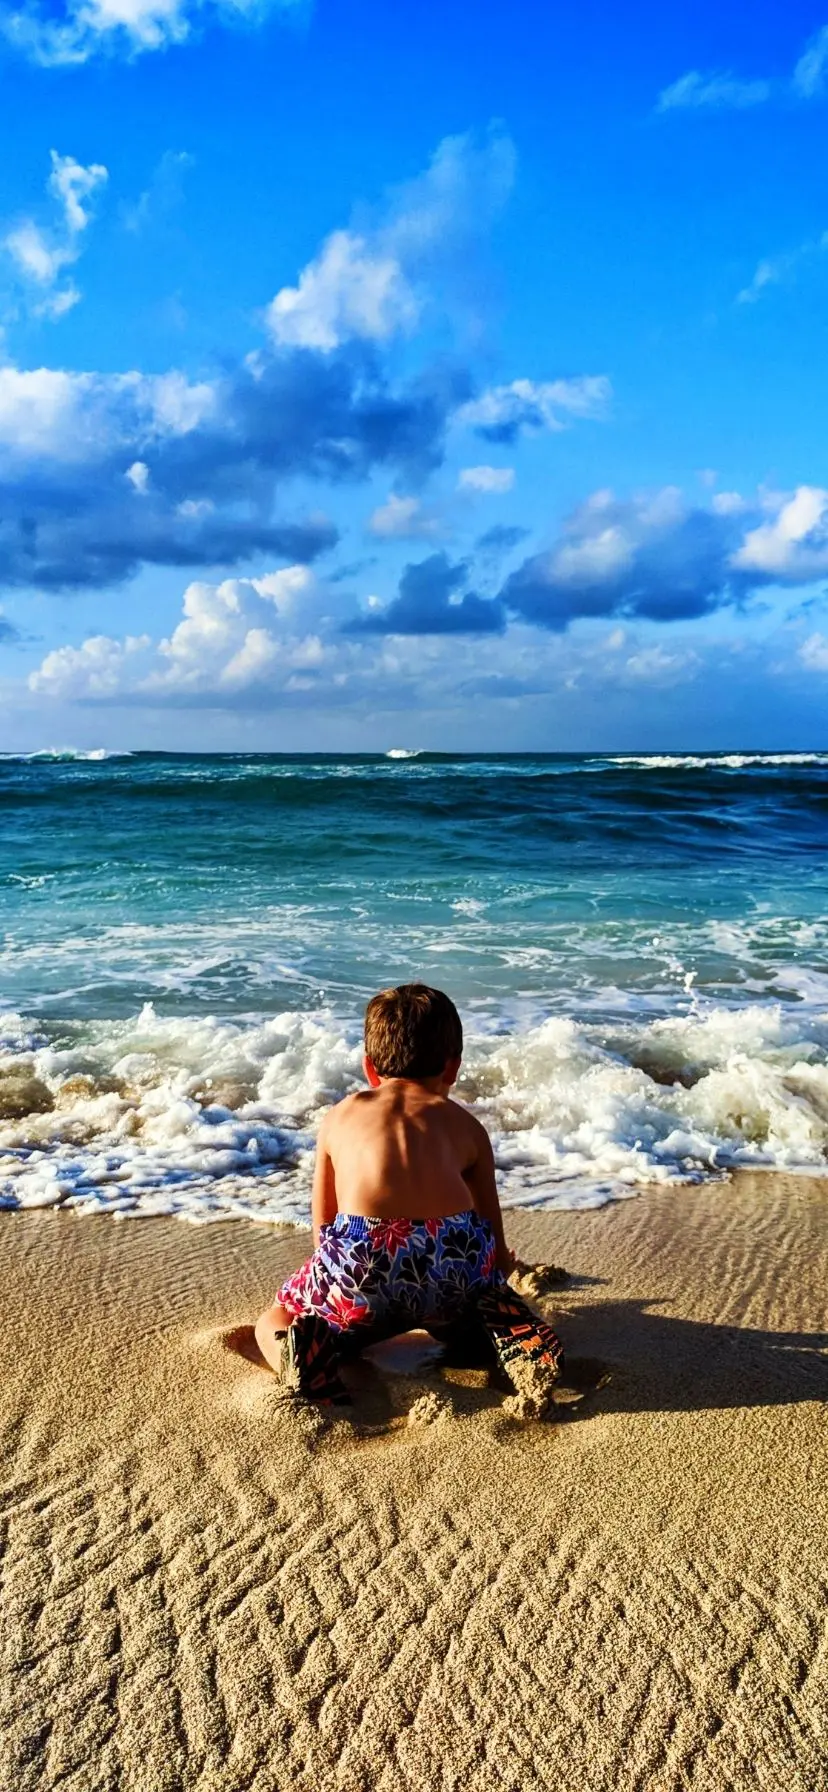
210,1119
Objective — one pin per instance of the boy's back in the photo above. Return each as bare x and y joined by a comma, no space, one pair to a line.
403,1150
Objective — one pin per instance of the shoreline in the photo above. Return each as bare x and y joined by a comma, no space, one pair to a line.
202,1590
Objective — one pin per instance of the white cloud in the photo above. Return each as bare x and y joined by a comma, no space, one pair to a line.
794,543
713,91
814,653
37,408
138,476
404,519
729,504
809,74
778,269
83,29
163,194
718,90
40,256
98,668
351,290
73,185
490,480
35,257
56,304
656,666
178,405
502,411
47,412
368,283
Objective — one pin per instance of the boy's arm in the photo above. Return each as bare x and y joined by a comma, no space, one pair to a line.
323,1199
481,1181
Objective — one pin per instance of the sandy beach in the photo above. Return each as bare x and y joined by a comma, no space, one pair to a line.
201,1590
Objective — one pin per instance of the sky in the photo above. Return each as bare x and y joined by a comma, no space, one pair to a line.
437,376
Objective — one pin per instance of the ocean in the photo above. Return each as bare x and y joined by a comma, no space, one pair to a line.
638,947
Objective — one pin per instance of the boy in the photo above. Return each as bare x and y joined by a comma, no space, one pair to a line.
407,1224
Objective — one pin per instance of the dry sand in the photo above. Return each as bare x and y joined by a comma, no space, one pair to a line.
201,1590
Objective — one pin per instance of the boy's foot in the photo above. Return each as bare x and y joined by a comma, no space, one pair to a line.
528,1350
310,1362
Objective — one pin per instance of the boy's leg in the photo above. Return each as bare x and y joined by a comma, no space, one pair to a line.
313,1357
519,1336
271,1330
303,1353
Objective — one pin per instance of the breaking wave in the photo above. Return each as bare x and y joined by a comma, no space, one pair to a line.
210,1119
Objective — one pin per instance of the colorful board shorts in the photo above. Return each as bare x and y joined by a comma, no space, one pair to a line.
396,1273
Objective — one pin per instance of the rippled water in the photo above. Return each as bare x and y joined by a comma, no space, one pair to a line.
638,946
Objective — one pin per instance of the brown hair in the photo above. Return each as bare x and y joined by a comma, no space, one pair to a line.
412,1031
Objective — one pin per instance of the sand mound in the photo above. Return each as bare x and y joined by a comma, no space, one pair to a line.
207,1589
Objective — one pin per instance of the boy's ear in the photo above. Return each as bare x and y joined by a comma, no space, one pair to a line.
371,1073
452,1071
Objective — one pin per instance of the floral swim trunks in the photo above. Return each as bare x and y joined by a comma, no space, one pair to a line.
396,1273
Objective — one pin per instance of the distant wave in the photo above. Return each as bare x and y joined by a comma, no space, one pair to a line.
711,761
61,755
404,752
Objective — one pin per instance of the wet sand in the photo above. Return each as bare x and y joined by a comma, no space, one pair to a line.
201,1589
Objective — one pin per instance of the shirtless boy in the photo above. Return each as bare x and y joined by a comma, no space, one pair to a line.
407,1224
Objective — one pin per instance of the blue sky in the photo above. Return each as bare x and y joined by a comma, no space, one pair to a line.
428,376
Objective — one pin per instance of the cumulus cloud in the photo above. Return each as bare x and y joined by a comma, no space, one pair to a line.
651,556
792,546
76,30
403,519
367,282
660,558
429,602
41,255
231,637
500,413
353,289
217,454
491,481
718,90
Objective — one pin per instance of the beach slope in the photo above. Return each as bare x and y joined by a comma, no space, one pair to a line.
201,1590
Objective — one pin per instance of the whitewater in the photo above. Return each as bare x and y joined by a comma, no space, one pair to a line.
638,946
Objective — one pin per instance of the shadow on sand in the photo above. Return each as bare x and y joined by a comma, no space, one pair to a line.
639,1356
661,1363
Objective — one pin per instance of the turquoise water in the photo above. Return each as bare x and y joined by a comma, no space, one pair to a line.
638,946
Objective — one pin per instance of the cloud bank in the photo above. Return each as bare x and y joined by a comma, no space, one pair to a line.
285,638
658,558
100,474
103,473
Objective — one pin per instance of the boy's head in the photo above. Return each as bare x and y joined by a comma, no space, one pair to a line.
413,1032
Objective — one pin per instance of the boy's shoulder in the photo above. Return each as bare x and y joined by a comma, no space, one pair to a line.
345,1110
